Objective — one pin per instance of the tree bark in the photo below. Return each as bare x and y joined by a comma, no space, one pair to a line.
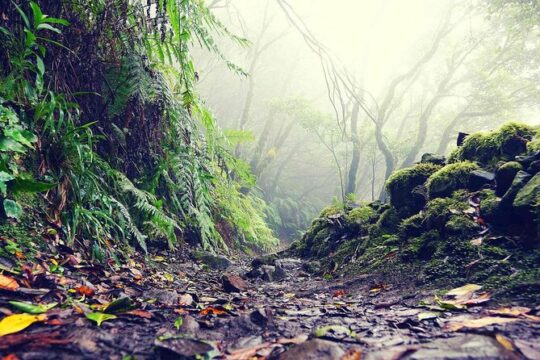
355,160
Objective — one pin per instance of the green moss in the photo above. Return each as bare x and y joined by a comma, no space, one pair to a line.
438,211
450,178
361,215
489,148
388,222
421,248
331,211
461,225
402,183
533,145
412,226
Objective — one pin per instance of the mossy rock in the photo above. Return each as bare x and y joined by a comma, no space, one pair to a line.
505,175
402,184
450,178
422,247
388,222
488,148
360,215
438,211
412,226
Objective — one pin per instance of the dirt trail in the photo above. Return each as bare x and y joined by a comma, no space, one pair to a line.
178,308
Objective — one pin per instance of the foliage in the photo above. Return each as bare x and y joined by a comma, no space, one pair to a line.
159,159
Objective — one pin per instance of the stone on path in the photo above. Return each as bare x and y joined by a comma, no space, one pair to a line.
234,283
314,350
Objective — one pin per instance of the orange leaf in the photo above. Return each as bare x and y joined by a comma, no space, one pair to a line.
505,342
339,293
10,357
140,313
477,323
85,290
213,311
8,283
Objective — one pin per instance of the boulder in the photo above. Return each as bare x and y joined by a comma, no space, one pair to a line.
264,260
528,196
433,159
268,272
505,175
479,178
315,349
216,262
520,180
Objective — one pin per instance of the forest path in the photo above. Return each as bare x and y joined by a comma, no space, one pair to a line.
175,308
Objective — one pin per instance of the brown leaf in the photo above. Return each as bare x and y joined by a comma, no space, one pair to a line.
352,354
339,293
8,283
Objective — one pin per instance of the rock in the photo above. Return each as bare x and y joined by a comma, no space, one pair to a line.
479,178
264,260
233,283
461,138
534,168
315,349
468,347
182,348
279,273
254,273
268,272
245,342
518,183
312,267
433,159
216,262
259,317
189,325
289,264
165,297
505,175
529,195
527,160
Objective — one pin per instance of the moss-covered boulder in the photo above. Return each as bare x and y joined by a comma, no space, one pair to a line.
403,187
489,148
430,158
450,178
520,180
505,175
527,205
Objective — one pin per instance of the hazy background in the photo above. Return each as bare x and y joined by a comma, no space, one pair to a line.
484,72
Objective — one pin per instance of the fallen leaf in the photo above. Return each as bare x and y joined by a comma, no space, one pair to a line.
464,290
185,300
352,354
84,290
31,308
99,317
8,283
512,311
168,277
339,293
481,298
339,329
505,342
212,310
178,322
428,315
140,313
10,357
477,323
15,323
119,305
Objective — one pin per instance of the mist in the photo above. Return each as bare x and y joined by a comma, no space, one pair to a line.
338,95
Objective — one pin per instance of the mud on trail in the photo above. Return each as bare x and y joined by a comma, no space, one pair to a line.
272,309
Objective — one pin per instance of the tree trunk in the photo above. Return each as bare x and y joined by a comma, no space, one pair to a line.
355,161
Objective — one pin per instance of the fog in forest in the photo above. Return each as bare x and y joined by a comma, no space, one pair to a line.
338,94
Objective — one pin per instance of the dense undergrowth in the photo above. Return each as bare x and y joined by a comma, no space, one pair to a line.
104,142
474,218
